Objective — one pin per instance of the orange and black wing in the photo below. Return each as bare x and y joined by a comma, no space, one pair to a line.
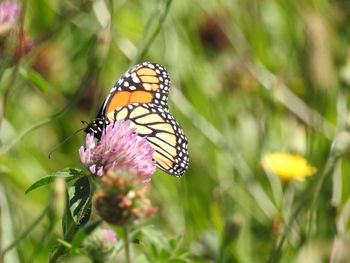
162,132
141,96
145,83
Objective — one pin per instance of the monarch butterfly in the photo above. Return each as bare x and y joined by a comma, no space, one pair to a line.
141,96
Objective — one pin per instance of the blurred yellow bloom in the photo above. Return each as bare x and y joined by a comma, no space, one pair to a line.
287,166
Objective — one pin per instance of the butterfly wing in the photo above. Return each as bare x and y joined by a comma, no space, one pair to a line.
141,96
146,82
162,132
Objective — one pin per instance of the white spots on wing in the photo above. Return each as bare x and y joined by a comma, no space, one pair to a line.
166,123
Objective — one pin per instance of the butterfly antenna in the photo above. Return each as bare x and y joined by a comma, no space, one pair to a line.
85,122
64,141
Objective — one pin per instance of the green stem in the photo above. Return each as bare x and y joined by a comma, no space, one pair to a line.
146,42
88,76
27,231
62,249
126,244
308,202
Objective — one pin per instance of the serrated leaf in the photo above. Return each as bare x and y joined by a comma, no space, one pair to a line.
68,173
35,78
79,201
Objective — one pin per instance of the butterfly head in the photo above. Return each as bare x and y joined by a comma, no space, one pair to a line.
96,127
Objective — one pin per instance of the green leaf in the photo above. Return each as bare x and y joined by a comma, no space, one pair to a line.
79,201
68,173
158,248
84,233
35,78
41,182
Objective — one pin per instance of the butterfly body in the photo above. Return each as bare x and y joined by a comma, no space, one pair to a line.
140,96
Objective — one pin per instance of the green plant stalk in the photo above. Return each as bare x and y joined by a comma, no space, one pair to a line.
308,202
70,231
94,66
15,69
126,244
147,43
62,249
29,229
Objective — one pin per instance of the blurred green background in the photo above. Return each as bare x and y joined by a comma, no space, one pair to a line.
248,77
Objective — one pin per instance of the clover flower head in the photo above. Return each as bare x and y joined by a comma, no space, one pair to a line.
101,244
9,12
121,199
23,44
119,148
108,237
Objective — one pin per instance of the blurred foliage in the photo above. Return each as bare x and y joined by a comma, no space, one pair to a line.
248,77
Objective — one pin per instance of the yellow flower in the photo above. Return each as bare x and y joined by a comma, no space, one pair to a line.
287,166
